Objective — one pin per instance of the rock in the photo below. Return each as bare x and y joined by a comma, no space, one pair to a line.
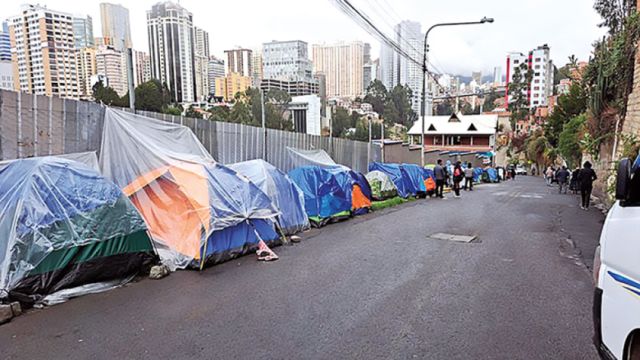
295,239
16,308
6,314
158,272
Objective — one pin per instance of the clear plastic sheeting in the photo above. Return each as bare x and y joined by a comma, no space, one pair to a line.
89,158
318,157
61,296
381,185
287,198
59,221
185,197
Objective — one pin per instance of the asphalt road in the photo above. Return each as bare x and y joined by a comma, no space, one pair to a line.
372,287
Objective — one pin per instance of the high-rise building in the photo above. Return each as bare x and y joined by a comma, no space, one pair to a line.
172,49
86,64
43,52
112,63
343,66
256,67
396,69
115,25
83,31
239,61
216,71
141,67
232,84
538,61
5,43
6,75
201,63
497,76
368,69
287,61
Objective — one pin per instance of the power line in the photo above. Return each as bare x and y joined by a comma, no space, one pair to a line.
365,22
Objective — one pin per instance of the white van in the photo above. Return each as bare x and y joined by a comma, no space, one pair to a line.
616,304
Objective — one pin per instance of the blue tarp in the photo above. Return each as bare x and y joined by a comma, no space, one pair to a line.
428,173
416,176
399,177
477,174
287,198
493,174
324,195
347,179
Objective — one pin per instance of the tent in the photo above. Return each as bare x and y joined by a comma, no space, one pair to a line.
382,187
401,179
64,225
429,180
477,174
287,198
416,175
356,187
325,198
198,211
490,175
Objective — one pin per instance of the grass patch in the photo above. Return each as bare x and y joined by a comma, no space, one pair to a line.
379,205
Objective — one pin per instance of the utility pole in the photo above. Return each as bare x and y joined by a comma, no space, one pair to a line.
382,139
264,126
369,145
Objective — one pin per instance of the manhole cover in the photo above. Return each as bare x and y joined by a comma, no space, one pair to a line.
453,237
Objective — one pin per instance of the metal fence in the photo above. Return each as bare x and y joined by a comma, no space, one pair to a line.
33,125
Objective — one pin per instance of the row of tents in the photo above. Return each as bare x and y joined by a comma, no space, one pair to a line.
154,194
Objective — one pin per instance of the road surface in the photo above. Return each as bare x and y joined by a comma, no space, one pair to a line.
374,287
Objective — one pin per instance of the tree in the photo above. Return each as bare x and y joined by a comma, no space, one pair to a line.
518,105
569,106
400,99
105,95
468,110
376,95
340,122
490,100
569,140
152,96
172,110
445,107
362,130
614,13
192,113
219,113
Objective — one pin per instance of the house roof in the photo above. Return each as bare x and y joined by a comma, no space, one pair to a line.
456,124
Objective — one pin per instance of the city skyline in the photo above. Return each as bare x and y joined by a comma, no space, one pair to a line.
455,51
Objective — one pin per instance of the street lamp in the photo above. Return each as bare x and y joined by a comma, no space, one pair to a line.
424,71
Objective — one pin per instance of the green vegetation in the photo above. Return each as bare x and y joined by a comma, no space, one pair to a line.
379,205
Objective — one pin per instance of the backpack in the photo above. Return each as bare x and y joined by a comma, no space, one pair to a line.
457,173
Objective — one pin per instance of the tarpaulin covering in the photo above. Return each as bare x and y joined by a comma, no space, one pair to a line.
64,225
382,187
317,157
416,175
324,195
287,198
356,186
401,179
197,210
492,174
477,174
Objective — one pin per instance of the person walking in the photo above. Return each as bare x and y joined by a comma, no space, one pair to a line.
440,173
586,177
468,177
513,173
563,179
458,175
548,175
575,184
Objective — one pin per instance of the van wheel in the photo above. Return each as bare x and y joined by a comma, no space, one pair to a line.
633,347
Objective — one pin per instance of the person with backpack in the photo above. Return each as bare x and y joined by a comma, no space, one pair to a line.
575,185
586,177
441,175
468,177
563,179
458,175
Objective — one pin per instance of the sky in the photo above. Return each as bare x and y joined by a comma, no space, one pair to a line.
567,26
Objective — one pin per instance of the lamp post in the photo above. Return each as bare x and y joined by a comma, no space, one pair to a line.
424,72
